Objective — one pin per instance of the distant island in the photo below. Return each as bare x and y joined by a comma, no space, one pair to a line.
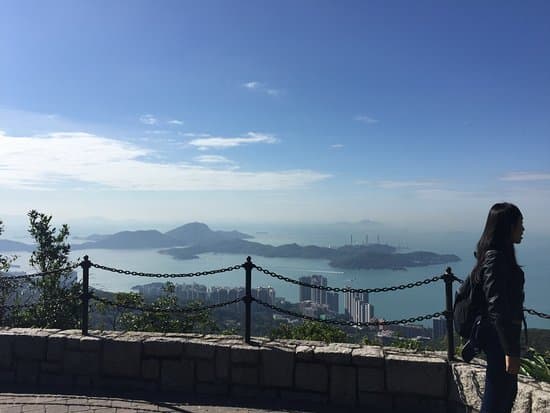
190,240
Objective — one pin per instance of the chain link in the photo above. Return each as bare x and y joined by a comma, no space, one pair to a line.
40,274
533,312
159,310
166,275
349,323
350,290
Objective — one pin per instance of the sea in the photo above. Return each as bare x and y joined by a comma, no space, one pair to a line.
533,254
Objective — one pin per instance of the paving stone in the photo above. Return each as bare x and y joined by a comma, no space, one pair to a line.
540,401
88,343
311,376
343,385
304,353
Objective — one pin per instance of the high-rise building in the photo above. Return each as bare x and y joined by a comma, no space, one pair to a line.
313,294
357,307
439,327
332,302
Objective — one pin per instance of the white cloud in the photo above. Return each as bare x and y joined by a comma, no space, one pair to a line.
222,143
337,146
261,87
148,119
175,122
81,160
526,176
404,184
365,119
213,159
157,132
195,135
252,85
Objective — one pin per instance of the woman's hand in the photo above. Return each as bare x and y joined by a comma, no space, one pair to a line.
512,364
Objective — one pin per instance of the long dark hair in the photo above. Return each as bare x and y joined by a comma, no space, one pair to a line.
497,235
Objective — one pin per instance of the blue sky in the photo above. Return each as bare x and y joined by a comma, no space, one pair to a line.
418,113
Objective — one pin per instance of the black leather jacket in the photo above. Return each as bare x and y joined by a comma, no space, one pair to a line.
503,293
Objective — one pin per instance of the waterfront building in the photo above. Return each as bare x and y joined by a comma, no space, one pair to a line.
439,327
333,302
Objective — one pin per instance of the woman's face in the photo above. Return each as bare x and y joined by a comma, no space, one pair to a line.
517,232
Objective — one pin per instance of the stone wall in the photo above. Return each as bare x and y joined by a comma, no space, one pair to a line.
338,374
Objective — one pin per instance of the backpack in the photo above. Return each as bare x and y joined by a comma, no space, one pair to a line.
467,307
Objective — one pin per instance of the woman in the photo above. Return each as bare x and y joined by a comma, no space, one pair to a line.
501,279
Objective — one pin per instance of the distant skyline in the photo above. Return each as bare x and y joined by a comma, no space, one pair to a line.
416,114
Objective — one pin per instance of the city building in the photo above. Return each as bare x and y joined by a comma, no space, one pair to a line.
439,327
313,294
333,302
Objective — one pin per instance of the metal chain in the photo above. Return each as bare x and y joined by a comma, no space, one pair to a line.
40,274
158,310
455,278
533,312
166,275
351,290
349,323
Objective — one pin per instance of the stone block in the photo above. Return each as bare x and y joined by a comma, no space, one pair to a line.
84,382
122,358
7,376
177,375
240,391
76,362
467,384
370,379
27,372
311,376
217,389
56,382
73,342
165,347
409,403
523,398
206,371
333,354
540,401
378,402
245,354
56,347
368,356
223,362
88,343
244,375
199,350
31,347
277,367
423,376
6,350
304,353
150,369
303,397
343,385
51,367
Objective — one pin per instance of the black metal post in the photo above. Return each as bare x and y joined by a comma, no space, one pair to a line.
86,264
248,265
449,278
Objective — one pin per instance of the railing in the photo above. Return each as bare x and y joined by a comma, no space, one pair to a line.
448,277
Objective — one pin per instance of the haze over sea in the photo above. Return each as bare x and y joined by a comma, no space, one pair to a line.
532,255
